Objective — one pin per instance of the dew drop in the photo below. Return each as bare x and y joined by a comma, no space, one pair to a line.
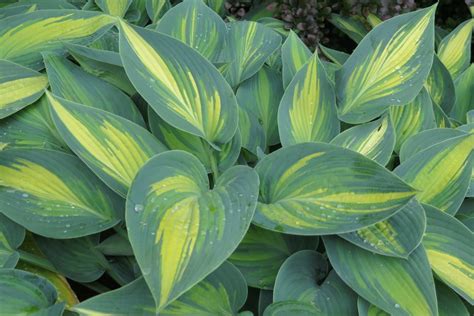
397,306
138,208
25,195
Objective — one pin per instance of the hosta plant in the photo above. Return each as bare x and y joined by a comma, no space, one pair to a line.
155,159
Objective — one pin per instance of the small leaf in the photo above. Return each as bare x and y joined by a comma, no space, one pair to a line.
464,95
315,188
398,286
440,85
114,7
352,27
19,87
388,67
156,8
11,237
307,111
53,194
170,210
337,57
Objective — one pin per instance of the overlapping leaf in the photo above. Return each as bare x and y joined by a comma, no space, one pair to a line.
440,85
171,211
294,54
464,95
114,7
11,237
316,188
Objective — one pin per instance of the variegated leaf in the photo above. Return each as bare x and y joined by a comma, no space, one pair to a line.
337,57
315,188
23,37
441,172
170,210
294,54
53,194
351,26
388,67
307,111
455,49
367,309
397,236
111,146
180,85
74,84
114,7
375,140
440,85
156,9
398,286
19,8
197,25
251,132
249,44
19,87
464,95
448,244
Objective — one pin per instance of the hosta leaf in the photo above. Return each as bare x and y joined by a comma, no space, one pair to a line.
448,302
222,292
197,25
412,118
216,5
373,20
396,236
294,54
260,96
441,173
72,83
108,42
251,131
387,68
337,57
398,286
289,307
442,119
111,146
31,128
440,85
455,49
24,293
104,64
79,260
375,140
23,37
464,95
448,244
19,87
299,279
367,309
261,253
115,245
18,9
307,111
171,210
11,237
114,7
466,213
249,45
351,26
315,188
179,84
156,8
53,194
47,4
174,138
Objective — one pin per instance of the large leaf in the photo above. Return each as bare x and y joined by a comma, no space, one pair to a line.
249,44
79,260
448,244
114,7
412,118
24,293
455,49
174,138
375,140
464,95
261,253
113,147
223,292
11,237
53,194
180,230
180,85
260,96
440,85
398,286
294,54
72,83
197,25
315,188
441,172
396,236
388,67
299,279
31,128
307,111
23,37
19,87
